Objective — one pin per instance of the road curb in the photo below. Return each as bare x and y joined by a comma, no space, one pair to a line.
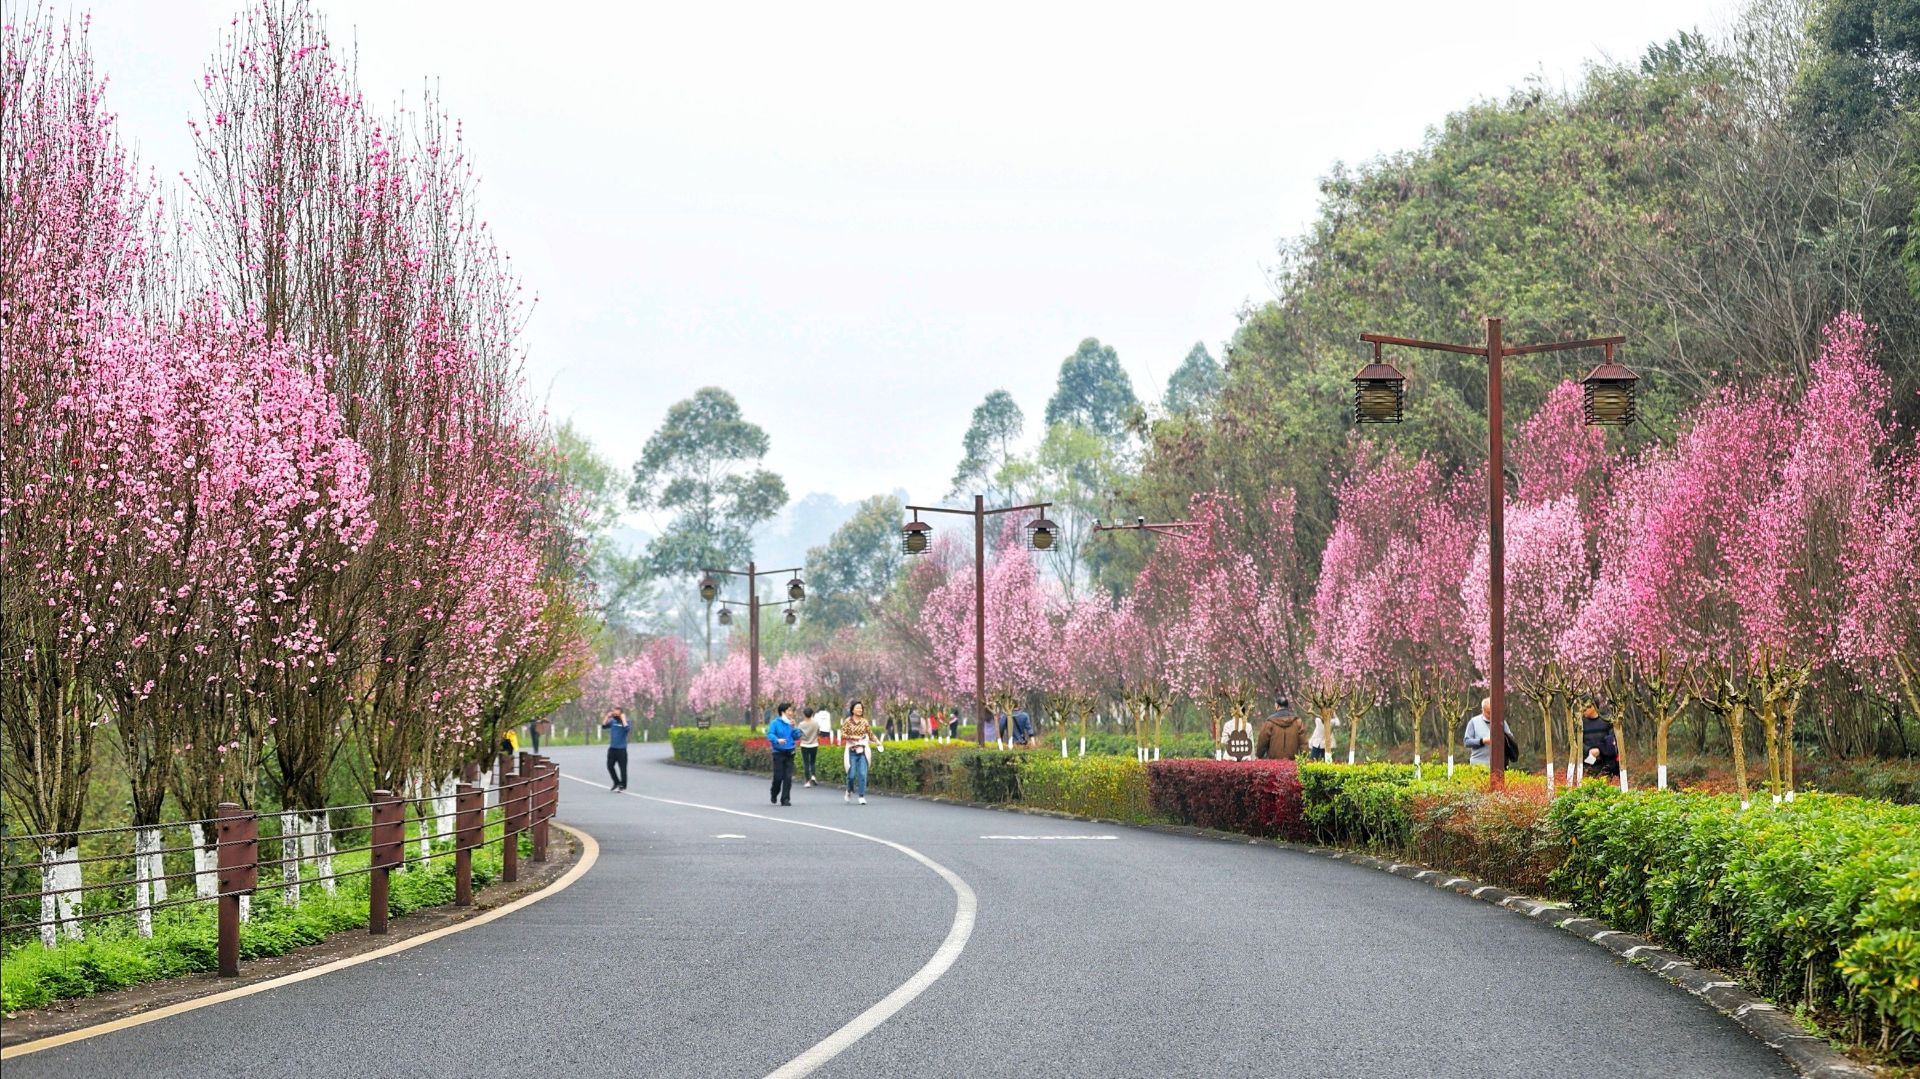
1808,1054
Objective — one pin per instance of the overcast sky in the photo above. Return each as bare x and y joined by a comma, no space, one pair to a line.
862,219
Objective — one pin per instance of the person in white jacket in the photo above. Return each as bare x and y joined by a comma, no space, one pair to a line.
1318,743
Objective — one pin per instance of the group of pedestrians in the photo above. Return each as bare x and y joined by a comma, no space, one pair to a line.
857,746
1281,736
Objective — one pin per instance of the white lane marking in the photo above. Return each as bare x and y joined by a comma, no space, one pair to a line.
966,905
1049,837
729,835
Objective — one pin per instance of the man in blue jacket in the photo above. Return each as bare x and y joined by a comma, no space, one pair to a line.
617,729
782,738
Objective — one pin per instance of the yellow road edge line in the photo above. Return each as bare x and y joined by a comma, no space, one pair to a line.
590,853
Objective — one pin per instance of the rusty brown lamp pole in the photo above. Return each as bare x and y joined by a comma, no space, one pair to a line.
916,537
1379,394
710,592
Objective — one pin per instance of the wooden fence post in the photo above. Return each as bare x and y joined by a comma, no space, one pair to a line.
470,813
238,862
546,785
389,840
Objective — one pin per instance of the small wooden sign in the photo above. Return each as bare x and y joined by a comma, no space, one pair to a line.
703,723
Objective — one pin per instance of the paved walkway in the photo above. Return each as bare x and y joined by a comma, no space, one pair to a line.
706,943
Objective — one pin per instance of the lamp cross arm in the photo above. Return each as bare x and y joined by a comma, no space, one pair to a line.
1563,346
1435,346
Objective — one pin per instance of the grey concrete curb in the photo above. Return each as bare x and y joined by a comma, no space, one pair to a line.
1809,1054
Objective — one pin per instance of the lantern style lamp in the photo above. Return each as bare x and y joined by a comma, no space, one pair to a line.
1608,390
708,589
796,590
726,616
1041,534
792,616
1379,391
916,537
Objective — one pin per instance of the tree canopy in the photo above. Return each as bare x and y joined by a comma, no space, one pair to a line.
699,467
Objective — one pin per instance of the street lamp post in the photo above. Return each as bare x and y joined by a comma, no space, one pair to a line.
710,591
1141,524
1378,397
916,538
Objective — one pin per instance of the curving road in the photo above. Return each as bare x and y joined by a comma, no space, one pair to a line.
685,954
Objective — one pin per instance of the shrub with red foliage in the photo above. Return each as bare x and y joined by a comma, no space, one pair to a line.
1251,797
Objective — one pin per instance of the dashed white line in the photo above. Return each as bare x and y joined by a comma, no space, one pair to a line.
1049,837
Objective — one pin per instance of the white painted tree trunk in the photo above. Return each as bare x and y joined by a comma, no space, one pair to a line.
423,830
292,853
1156,752
1417,773
1661,770
443,810
146,866
1083,745
1623,779
1063,749
206,861
1549,777
1349,751
59,913
1449,766
246,909
319,846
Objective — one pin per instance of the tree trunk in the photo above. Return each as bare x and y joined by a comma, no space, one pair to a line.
146,867
60,911
291,853
319,843
1546,733
206,860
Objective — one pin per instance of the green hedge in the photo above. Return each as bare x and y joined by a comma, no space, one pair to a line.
1816,901
1112,788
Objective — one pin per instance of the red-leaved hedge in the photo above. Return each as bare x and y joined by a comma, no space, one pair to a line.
1250,797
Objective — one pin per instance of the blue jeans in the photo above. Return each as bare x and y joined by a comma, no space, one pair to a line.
857,773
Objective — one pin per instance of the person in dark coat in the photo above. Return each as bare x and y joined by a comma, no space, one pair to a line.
1282,735
1597,738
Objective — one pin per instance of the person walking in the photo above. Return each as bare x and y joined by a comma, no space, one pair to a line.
617,729
1597,738
1478,735
1320,740
1022,728
782,737
810,744
857,747
1280,735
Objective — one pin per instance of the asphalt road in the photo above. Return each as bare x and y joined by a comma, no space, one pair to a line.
686,954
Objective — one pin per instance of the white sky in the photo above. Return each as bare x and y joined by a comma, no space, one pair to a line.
861,219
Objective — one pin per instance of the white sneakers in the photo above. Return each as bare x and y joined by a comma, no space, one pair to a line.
863,801
847,797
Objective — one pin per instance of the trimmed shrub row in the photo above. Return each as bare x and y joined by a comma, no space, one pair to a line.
1816,903
1252,797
